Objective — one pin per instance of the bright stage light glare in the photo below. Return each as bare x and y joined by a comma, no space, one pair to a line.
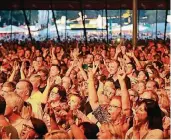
118,40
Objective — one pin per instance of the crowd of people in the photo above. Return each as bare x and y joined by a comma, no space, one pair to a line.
76,90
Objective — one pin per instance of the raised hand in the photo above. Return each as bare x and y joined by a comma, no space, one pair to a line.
123,49
107,67
53,50
50,81
136,125
92,71
75,53
72,64
23,66
166,123
63,113
121,74
130,54
50,111
82,116
118,49
80,63
16,66
45,52
31,69
95,67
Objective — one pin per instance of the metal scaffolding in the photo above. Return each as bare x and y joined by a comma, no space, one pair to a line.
83,21
48,24
165,26
107,33
156,23
134,42
27,23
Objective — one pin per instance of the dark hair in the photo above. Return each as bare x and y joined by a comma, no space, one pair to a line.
151,67
63,69
61,91
154,114
2,105
39,127
167,75
28,49
3,77
133,65
159,64
11,85
90,130
146,74
44,70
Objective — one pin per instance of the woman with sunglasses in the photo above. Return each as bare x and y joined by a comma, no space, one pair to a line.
147,121
56,100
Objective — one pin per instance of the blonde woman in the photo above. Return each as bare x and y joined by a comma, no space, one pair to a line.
111,131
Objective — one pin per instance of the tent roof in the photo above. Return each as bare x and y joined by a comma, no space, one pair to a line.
87,4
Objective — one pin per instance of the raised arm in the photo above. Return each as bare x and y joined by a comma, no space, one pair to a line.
53,123
70,69
45,95
126,106
118,50
53,56
83,73
22,71
15,69
138,64
99,93
93,98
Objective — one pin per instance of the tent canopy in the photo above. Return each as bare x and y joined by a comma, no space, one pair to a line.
87,4
12,29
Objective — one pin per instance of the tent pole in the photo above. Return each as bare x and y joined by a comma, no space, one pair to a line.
102,23
120,14
11,25
27,23
66,24
30,16
134,43
106,21
47,25
54,18
156,22
83,21
138,24
165,26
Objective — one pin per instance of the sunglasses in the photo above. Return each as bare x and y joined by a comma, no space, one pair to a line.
26,104
27,127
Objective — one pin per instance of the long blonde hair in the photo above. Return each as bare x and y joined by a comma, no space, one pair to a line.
114,129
